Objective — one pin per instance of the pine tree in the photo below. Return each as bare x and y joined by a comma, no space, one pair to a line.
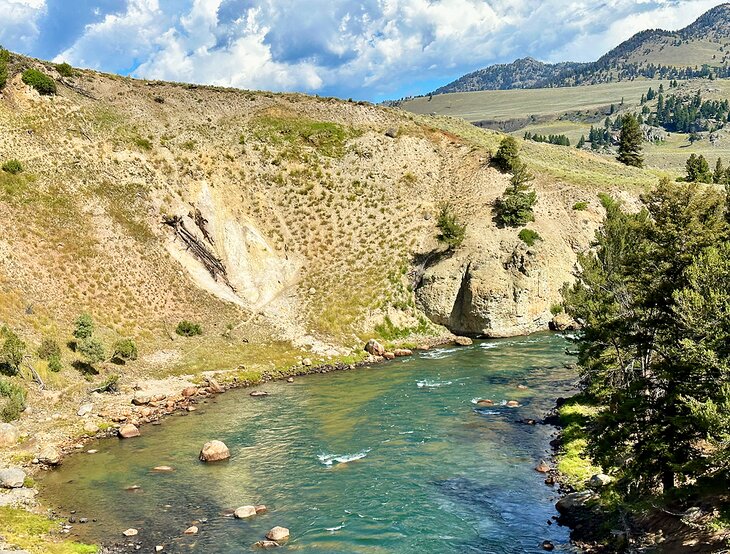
629,150
719,173
581,142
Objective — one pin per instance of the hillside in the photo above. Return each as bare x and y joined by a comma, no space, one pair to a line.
698,50
317,218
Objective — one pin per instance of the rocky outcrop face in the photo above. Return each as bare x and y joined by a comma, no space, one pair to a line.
494,292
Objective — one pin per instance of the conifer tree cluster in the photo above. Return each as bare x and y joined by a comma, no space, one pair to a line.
515,207
653,295
560,140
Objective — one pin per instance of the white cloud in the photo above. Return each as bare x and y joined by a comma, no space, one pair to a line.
119,40
370,48
19,21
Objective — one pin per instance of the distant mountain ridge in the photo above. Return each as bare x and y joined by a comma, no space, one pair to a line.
698,50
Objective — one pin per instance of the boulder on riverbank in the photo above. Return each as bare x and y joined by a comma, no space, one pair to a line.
9,434
374,348
563,322
50,455
463,341
214,451
12,478
128,431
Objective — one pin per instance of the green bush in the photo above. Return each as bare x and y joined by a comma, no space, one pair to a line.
580,206
452,232
91,349
11,352
514,209
125,350
40,81
529,237
65,70
14,403
83,326
48,348
556,309
54,363
13,167
188,329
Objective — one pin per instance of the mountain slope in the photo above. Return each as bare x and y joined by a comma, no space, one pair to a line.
652,54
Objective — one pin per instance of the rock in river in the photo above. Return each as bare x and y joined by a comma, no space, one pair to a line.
130,532
244,512
266,544
542,467
259,393
463,341
278,534
128,431
214,451
192,530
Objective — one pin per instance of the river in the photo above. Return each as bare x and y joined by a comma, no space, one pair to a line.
395,457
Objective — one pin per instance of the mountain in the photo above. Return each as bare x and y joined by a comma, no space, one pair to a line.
699,50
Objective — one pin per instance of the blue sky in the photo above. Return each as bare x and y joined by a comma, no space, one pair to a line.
373,50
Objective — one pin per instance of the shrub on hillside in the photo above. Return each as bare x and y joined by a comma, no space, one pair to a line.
54,363
11,351
13,167
12,401
580,206
188,329
83,326
529,237
452,232
48,348
65,70
124,350
40,81
92,350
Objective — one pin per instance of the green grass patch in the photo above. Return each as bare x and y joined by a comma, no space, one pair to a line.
388,331
580,206
574,463
13,167
35,533
529,237
297,133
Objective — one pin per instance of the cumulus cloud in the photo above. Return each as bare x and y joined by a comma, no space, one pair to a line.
19,21
366,49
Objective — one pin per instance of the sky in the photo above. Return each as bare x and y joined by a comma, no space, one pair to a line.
370,50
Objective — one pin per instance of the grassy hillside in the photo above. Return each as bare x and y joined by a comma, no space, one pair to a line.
548,103
316,208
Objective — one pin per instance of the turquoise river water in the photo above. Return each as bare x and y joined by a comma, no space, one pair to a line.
391,458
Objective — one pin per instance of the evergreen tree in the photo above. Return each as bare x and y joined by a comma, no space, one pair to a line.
629,150
719,173
506,155
656,346
698,170
514,208
581,142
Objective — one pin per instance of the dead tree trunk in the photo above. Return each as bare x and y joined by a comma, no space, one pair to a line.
199,250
